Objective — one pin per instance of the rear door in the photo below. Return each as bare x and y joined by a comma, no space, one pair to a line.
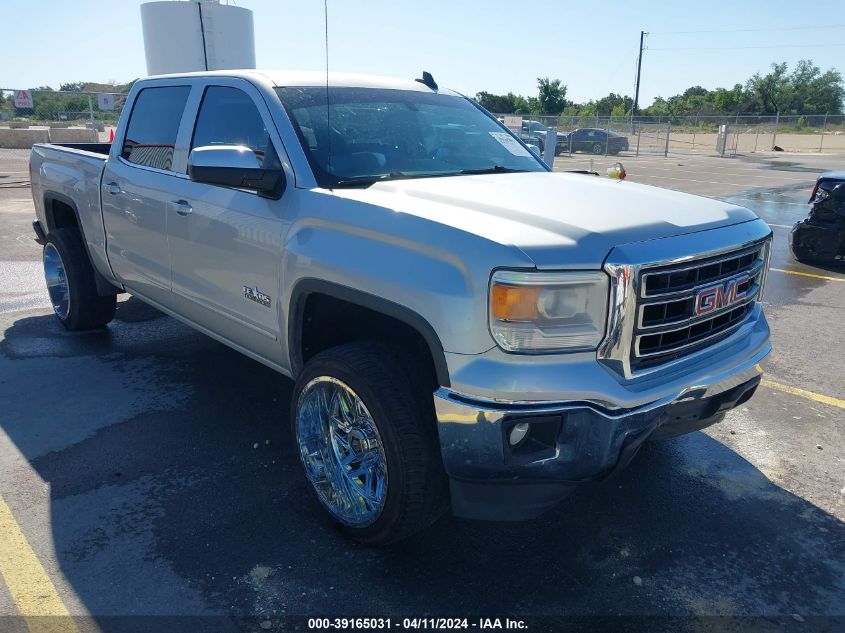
145,165
227,252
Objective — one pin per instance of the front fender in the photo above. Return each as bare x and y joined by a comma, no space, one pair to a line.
436,272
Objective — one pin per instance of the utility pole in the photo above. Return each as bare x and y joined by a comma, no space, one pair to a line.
639,68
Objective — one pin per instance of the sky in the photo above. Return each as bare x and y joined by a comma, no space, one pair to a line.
468,45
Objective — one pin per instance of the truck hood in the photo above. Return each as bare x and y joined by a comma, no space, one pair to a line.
560,220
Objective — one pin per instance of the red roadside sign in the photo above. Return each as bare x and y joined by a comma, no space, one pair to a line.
23,99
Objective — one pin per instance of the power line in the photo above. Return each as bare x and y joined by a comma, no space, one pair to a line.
786,28
732,48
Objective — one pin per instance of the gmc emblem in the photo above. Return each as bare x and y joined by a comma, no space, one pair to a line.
721,295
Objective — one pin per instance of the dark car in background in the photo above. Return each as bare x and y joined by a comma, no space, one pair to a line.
597,141
820,237
534,133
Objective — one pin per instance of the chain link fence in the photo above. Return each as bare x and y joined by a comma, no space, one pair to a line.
713,135
51,116
43,116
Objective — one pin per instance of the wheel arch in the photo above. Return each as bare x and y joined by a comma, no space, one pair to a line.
60,212
307,288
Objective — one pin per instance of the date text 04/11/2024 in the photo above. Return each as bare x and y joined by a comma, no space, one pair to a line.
415,624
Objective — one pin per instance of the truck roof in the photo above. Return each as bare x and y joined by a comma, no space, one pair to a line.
311,78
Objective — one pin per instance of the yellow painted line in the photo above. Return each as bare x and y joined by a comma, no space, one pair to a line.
34,594
797,391
814,276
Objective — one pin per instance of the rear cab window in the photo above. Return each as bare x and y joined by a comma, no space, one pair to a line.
153,126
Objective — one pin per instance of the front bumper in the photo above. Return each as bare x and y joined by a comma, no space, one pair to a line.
569,442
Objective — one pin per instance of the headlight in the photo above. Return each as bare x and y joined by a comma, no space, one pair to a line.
548,312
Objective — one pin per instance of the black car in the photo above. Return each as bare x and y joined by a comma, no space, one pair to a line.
597,141
534,133
820,238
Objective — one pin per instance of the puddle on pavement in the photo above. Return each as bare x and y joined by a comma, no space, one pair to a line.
781,205
791,166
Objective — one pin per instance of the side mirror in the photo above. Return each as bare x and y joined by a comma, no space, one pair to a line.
237,166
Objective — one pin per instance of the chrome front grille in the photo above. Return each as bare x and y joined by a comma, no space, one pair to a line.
669,324
653,325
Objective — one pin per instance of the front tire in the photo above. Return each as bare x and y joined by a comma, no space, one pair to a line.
597,148
71,282
366,443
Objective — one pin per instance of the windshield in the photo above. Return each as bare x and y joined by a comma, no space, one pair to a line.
375,134
534,126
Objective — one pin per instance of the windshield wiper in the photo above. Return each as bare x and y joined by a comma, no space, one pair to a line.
495,169
366,181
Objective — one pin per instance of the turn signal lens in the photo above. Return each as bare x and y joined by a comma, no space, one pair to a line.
515,303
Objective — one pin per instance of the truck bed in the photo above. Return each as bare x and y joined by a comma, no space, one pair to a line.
92,148
66,177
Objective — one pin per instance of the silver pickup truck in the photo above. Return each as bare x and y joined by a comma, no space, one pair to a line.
465,328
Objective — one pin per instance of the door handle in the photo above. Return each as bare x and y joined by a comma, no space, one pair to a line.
113,188
183,207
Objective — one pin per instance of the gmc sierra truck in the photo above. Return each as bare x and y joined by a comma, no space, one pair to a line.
464,327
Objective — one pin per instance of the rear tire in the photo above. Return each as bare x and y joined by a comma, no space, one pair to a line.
398,429
597,148
71,282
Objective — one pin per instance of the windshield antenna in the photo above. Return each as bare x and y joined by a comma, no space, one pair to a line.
328,115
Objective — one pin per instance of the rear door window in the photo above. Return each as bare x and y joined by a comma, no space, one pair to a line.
153,126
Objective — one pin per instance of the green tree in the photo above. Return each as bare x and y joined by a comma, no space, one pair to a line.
695,91
769,93
729,101
613,105
507,104
551,96
75,86
7,106
529,105
814,92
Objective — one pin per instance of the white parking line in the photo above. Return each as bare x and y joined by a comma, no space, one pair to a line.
703,182
762,174
757,173
790,204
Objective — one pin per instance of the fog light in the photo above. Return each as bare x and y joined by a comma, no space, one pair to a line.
518,433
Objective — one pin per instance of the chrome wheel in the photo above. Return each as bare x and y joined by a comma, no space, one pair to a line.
57,286
342,451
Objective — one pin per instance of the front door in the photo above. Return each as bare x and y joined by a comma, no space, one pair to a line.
226,244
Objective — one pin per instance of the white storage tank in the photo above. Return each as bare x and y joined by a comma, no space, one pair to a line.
183,36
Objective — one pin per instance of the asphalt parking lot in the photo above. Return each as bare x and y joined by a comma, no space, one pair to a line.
149,470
